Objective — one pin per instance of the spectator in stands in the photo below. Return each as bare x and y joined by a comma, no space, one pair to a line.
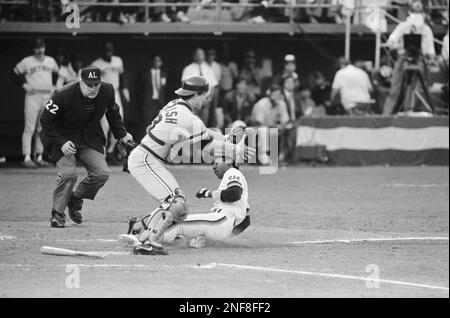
291,98
176,13
149,93
71,72
241,13
289,70
320,88
381,80
307,104
216,110
238,104
211,57
311,14
229,71
252,73
415,23
270,112
201,68
127,14
112,69
353,85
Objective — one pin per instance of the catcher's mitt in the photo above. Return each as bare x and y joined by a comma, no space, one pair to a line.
124,150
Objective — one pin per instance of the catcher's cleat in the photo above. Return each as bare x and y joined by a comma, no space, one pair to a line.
75,205
148,249
58,220
29,164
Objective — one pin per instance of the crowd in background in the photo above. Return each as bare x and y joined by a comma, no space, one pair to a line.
327,11
250,91
247,91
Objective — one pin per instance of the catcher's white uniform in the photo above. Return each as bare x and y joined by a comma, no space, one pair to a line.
224,216
175,123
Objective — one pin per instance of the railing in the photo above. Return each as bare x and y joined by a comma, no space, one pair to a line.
220,5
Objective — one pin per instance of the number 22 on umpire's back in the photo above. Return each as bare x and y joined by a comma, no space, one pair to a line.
51,107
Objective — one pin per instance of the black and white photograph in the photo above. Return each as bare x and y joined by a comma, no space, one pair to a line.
223,155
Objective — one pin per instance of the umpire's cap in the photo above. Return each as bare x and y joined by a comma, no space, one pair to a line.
91,75
192,85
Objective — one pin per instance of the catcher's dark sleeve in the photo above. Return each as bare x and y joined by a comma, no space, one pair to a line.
231,194
49,120
114,119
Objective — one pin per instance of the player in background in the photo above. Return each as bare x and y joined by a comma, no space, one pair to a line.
176,125
36,74
71,72
112,70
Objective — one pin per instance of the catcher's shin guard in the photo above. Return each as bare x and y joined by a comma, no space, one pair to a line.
174,209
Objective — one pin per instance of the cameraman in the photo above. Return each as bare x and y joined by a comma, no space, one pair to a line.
414,24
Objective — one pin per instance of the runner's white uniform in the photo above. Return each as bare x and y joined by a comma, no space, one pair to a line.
146,162
224,216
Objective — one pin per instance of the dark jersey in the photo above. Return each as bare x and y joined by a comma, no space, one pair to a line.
69,116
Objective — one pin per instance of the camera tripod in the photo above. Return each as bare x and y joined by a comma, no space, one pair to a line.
414,87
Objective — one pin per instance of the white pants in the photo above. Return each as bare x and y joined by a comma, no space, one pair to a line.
216,225
34,105
151,174
110,140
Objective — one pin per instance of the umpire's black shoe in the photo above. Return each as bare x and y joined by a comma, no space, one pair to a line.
58,220
148,249
74,206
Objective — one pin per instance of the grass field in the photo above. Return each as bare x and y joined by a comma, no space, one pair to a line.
290,250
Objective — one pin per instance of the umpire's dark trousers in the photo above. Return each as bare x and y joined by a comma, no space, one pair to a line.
97,175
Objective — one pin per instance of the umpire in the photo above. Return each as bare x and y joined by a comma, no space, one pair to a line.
71,130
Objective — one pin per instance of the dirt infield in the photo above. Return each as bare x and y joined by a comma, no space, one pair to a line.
316,232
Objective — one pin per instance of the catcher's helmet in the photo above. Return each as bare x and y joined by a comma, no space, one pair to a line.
192,85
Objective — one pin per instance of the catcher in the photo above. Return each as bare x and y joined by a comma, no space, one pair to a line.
229,215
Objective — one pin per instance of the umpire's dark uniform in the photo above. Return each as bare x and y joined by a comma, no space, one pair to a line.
70,116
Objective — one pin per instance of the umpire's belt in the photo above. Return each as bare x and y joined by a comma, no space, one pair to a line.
152,152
